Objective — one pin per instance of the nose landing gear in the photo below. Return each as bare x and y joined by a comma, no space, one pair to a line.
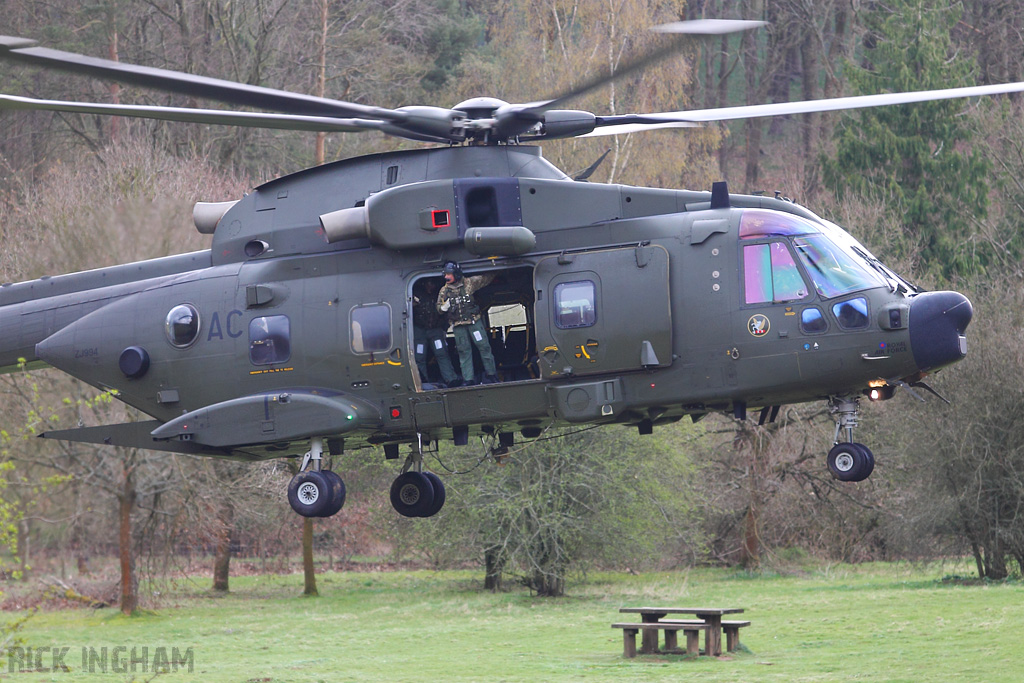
848,461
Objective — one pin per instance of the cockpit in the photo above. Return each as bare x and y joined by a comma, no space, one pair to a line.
830,260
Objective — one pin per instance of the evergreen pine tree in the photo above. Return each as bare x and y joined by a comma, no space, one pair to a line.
916,158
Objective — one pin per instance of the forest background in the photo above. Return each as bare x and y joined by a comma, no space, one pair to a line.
935,190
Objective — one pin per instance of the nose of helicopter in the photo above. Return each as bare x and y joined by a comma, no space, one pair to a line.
937,324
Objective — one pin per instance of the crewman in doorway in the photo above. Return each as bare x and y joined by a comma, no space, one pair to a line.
428,333
456,299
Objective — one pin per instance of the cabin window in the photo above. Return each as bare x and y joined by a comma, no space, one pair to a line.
812,321
182,325
575,304
371,328
771,274
270,340
852,314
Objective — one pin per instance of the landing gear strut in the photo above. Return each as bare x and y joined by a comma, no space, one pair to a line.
416,493
848,461
316,492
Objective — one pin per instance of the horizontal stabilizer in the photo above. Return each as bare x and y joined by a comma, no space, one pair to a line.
137,435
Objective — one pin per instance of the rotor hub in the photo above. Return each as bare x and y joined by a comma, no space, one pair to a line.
477,108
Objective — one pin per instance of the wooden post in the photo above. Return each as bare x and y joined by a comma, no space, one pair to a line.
629,642
713,639
693,642
732,637
649,638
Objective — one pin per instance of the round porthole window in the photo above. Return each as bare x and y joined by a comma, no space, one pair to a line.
183,325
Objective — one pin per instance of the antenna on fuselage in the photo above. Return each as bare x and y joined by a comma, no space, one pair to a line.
720,195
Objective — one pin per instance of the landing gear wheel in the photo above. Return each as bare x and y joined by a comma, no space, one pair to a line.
439,494
412,495
337,490
869,466
309,494
850,461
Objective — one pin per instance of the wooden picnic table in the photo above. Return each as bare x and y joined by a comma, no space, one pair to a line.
712,616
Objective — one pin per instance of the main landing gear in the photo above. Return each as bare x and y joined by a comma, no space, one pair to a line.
316,492
416,493
848,461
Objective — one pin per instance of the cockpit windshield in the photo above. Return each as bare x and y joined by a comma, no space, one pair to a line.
833,270
764,223
836,263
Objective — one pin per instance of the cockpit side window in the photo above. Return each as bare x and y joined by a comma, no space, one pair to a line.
771,275
852,314
812,321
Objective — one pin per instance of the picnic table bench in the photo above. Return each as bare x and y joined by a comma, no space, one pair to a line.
653,621
731,628
671,630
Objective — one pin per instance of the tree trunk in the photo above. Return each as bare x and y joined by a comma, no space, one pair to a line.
978,560
549,585
751,552
995,561
493,566
321,77
114,88
307,557
129,584
752,127
810,66
222,558
23,548
837,52
549,569
722,89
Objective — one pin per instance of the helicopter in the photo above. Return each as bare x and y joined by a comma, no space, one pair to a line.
604,305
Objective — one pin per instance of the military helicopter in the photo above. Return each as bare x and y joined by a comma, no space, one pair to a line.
607,304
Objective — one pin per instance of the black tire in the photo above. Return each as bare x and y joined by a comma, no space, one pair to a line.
309,494
439,493
337,489
850,461
869,462
412,494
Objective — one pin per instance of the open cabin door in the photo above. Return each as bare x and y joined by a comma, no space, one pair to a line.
603,311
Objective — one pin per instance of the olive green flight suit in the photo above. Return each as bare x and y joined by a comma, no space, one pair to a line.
467,324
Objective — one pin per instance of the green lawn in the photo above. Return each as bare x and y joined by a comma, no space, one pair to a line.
867,623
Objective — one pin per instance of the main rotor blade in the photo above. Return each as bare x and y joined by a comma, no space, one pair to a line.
209,116
22,50
701,27
628,123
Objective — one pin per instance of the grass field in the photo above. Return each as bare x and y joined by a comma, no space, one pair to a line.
859,623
